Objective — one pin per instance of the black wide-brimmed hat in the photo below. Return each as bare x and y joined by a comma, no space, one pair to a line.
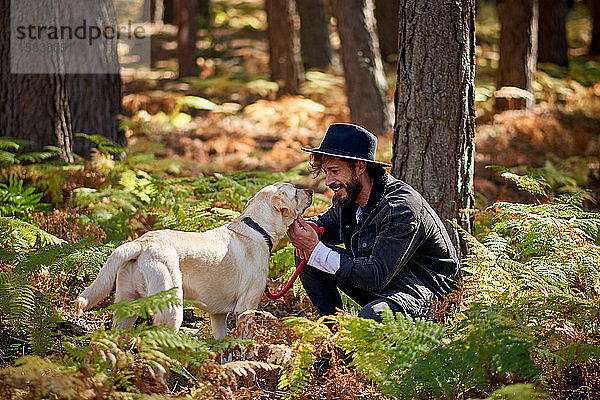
349,141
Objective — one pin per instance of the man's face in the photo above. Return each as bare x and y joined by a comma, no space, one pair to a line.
342,179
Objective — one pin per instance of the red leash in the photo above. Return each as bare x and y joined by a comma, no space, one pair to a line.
319,230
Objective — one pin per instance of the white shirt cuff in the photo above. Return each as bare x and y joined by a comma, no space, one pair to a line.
325,259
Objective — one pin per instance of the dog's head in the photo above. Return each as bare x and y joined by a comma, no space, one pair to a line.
289,201
283,200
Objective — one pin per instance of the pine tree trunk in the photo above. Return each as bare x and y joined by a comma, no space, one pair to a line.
186,37
518,51
386,14
314,34
284,46
48,108
98,115
169,12
205,13
594,6
552,35
434,130
366,87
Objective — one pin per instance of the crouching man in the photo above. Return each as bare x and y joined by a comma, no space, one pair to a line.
397,251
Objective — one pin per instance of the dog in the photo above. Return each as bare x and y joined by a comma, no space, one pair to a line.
225,268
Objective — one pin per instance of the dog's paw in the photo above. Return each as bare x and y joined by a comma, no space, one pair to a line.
80,305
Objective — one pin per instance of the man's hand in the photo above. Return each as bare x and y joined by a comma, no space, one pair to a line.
303,237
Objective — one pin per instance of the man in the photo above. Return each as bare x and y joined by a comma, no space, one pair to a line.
397,251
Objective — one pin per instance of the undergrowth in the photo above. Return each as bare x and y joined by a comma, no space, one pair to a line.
525,323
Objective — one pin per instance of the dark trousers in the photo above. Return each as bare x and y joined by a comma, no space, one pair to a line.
322,289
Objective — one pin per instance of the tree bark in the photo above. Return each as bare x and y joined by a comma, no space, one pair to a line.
594,6
433,147
518,50
97,114
386,14
49,108
284,46
186,37
205,13
169,12
314,34
552,35
366,87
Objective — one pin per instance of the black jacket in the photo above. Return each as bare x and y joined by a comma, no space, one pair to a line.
398,250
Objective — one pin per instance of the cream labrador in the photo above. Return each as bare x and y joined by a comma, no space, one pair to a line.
224,268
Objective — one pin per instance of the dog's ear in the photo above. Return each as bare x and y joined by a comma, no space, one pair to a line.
284,205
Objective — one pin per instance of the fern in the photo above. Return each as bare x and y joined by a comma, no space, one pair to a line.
16,200
193,216
128,357
144,307
19,235
532,184
23,301
42,331
140,184
578,353
248,367
415,358
103,143
296,374
385,351
8,158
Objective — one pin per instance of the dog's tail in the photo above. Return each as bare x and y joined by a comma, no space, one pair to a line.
104,282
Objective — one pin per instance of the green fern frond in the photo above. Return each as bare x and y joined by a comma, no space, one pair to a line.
308,330
17,200
193,216
534,185
15,231
294,377
42,331
144,307
13,143
39,156
103,143
139,183
17,298
84,258
7,158
580,353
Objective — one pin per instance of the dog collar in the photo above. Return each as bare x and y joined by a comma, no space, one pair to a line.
250,222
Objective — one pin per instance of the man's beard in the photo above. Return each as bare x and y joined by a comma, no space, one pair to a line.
353,188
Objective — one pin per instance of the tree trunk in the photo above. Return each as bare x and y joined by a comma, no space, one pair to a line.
386,14
435,115
594,6
49,108
366,87
518,51
552,34
205,13
98,115
314,34
284,46
186,37
169,12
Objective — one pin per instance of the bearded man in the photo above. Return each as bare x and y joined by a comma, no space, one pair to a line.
397,251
